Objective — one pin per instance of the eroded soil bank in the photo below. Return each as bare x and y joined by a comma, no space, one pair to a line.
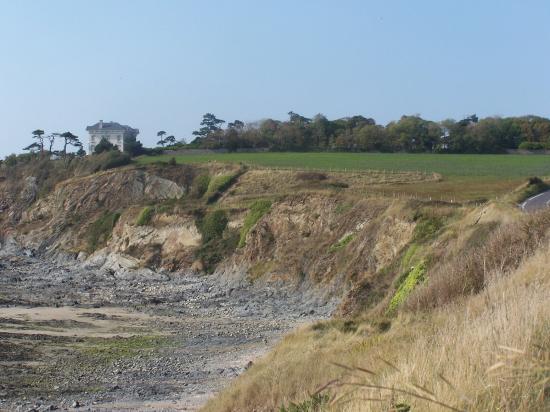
73,337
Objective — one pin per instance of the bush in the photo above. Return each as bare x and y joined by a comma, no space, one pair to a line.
426,228
213,225
10,160
531,146
309,176
104,146
315,403
217,249
100,231
220,184
258,209
535,185
200,186
105,161
145,216
116,159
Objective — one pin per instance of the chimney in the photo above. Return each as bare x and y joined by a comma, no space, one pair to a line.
101,124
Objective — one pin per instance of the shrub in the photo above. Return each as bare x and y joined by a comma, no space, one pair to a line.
145,216
535,185
531,146
426,228
213,225
311,176
104,146
217,249
116,159
217,186
10,160
315,403
257,210
100,231
105,161
220,184
200,186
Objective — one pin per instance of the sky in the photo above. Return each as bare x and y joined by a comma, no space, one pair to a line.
161,64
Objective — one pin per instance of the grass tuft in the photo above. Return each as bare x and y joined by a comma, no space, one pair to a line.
342,243
145,216
257,210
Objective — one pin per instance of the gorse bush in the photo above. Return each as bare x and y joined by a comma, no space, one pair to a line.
257,210
145,216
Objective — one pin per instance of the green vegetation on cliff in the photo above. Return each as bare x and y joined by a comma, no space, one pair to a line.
257,210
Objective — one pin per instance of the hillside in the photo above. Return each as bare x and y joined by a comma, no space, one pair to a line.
415,281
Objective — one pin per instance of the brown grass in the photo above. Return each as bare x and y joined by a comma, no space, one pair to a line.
469,270
481,352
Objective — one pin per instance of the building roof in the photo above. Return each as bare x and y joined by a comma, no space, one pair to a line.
101,125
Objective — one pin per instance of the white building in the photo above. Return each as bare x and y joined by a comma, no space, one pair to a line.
113,132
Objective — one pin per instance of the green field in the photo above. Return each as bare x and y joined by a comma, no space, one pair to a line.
490,166
464,177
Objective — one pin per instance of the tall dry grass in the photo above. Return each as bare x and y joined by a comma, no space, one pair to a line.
482,352
468,272
489,352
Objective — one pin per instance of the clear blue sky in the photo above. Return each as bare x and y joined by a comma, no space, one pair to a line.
162,64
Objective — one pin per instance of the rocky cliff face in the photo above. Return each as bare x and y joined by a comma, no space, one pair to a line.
314,235
61,220
322,240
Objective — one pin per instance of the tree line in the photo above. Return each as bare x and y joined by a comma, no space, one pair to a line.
358,133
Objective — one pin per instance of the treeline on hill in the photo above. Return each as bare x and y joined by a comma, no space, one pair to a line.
409,134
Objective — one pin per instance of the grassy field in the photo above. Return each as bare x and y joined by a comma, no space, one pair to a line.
502,166
465,177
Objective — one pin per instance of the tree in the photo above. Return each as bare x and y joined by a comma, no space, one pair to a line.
210,125
70,139
51,138
32,147
296,118
237,124
38,134
132,146
104,146
161,141
170,140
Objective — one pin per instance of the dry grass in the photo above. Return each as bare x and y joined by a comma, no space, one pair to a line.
483,352
469,270
489,352
277,183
